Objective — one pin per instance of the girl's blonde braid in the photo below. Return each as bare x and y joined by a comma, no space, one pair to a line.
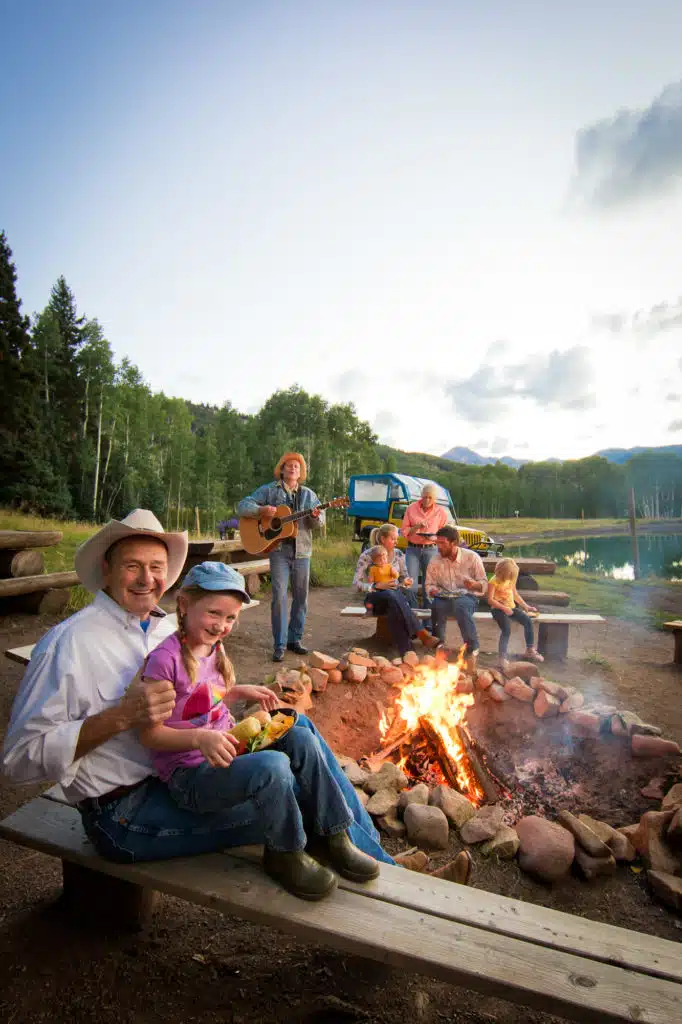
188,659
224,666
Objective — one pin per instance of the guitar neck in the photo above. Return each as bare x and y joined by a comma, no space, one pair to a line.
304,512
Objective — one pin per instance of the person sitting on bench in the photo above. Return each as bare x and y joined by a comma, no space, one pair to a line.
82,699
195,753
389,598
455,579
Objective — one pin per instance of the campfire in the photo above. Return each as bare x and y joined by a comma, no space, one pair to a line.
427,737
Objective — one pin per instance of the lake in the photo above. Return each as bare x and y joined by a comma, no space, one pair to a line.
659,554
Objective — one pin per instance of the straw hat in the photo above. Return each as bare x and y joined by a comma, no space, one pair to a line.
285,458
140,523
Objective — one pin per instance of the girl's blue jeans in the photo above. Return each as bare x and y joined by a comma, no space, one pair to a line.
314,793
504,621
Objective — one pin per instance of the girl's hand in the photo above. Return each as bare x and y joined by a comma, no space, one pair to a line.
218,748
408,581
391,585
263,695
530,608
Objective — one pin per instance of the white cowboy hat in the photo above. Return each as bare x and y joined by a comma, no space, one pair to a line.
140,523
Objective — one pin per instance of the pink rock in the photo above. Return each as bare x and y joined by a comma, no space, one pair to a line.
464,685
546,849
653,746
673,798
525,670
411,658
319,660
545,705
555,689
586,721
522,691
429,660
573,702
674,833
653,789
360,659
484,680
392,675
483,825
356,673
335,676
667,887
497,693
319,679
649,842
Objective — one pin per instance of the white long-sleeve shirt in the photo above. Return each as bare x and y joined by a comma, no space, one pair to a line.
81,667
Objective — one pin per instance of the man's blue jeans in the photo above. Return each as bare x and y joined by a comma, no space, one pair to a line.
284,566
463,609
147,824
417,558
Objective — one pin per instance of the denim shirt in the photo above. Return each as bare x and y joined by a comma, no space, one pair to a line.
275,494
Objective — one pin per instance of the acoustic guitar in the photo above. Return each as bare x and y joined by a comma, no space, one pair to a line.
262,535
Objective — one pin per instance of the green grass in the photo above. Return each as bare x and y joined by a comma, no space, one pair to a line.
622,599
333,563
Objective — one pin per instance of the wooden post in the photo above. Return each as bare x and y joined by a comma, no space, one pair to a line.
382,631
553,640
197,523
94,898
28,562
632,513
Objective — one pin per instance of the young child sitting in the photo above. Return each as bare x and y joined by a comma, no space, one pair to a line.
508,606
381,571
196,755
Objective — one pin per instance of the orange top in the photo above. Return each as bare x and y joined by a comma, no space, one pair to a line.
503,592
382,573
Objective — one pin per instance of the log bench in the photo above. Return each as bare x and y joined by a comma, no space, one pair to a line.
676,627
24,586
552,627
577,969
232,552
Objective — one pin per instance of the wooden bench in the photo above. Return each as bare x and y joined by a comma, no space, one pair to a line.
232,552
552,631
578,969
676,627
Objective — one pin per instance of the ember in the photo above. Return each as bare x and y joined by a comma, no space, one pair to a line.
427,732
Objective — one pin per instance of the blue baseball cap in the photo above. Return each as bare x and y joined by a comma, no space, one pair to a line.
217,576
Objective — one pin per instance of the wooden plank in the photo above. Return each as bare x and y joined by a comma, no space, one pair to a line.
19,539
214,547
677,624
572,986
557,617
31,584
506,916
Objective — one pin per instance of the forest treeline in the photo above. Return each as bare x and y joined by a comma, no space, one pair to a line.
84,436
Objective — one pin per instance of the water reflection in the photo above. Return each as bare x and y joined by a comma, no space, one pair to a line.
659,554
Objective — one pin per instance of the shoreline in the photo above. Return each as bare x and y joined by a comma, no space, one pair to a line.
617,530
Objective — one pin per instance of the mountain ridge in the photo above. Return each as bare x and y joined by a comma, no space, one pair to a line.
468,457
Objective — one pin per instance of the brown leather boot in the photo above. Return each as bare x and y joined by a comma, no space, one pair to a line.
428,639
457,870
339,852
299,874
416,860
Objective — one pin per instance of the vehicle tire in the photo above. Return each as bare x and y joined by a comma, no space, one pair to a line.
526,582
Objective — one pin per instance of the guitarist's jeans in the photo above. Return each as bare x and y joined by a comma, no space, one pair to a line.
284,566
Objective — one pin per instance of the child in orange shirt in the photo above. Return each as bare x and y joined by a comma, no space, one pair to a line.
507,606
381,571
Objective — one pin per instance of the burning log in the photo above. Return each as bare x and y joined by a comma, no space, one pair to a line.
481,773
381,755
448,766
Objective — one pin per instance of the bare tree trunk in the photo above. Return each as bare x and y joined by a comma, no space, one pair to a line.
86,408
106,464
179,493
97,455
47,386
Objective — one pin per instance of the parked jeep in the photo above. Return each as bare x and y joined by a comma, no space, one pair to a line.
377,498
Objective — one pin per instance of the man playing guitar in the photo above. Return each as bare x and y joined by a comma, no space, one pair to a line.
290,560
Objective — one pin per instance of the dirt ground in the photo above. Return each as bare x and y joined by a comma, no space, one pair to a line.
193,964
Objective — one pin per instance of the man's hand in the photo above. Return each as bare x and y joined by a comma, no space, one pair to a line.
408,581
433,591
470,584
262,694
267,511
146,703
315,512
218,748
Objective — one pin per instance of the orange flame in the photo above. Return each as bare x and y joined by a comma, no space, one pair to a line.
383,724
432,694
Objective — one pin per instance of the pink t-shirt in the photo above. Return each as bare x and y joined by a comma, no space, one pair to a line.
197,705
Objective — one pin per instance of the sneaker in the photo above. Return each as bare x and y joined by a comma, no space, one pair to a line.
505,666
297,648
533,654
278,655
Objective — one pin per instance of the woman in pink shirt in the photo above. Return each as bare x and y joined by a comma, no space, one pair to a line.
423,519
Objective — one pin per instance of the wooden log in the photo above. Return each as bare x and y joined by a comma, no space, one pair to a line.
52,602
17,540
27,562
252,583
30,584
376,760
382,632
449,769
481,773
527,566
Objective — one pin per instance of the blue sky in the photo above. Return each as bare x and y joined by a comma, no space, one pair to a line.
464,218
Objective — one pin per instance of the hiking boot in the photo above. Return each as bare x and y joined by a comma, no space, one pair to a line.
299,874
278,655
471,663
428,639
297,648
344,857
415,860
457,870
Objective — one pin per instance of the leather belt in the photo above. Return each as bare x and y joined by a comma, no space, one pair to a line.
97,802
410,544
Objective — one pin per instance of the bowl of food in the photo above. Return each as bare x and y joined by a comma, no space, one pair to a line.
260,730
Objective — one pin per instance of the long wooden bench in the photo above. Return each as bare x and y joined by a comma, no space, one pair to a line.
577,969
676,627
552,631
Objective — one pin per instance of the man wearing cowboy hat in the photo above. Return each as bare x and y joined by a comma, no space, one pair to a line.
291,559
81,702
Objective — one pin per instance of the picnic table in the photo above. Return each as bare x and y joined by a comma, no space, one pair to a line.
230,551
